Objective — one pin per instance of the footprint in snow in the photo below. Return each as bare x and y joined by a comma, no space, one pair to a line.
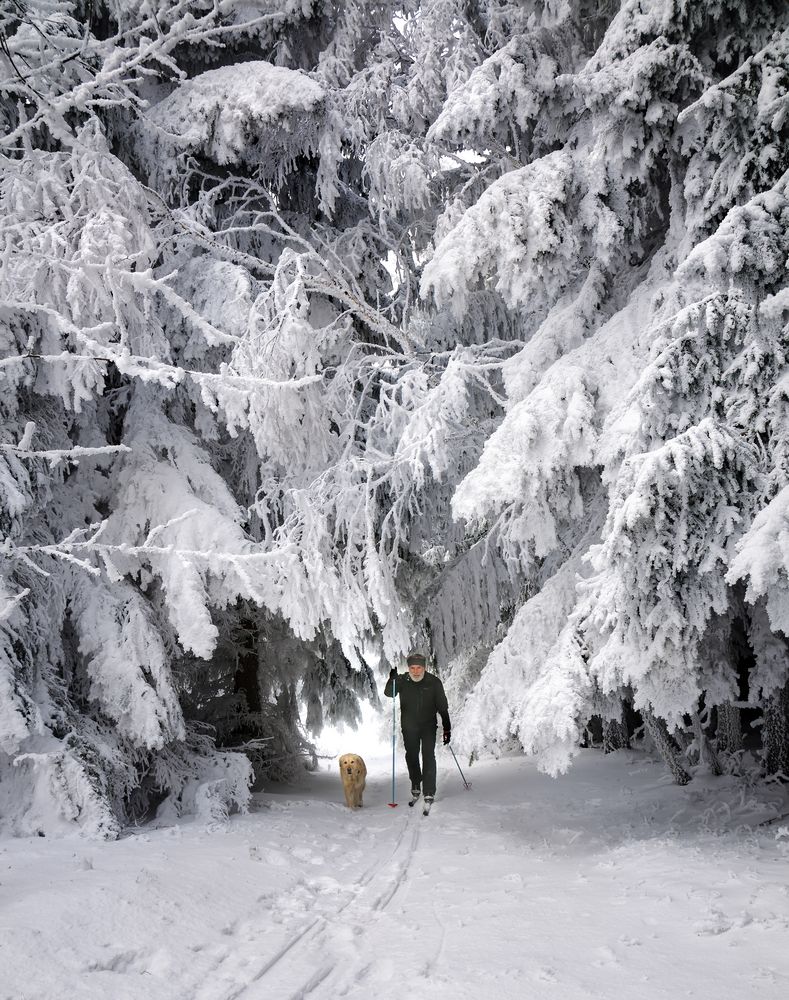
300,898
305,854
715,923
325,884
275,859
607,958
121,961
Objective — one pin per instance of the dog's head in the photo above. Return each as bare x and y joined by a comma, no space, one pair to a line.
352,765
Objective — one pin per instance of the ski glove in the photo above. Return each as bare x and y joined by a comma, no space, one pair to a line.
393,674
447,736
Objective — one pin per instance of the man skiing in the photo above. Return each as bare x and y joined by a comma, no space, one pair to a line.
422,697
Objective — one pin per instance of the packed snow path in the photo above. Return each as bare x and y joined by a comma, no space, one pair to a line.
607,882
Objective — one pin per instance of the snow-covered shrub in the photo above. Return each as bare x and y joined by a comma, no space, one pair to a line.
200,781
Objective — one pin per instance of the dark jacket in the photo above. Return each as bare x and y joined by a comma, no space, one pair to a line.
421,701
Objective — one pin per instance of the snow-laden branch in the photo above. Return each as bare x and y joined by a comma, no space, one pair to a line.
122,59
152,370
73,454
7,609
72,550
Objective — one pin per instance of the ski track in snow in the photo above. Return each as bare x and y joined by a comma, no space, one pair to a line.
309,946
607,882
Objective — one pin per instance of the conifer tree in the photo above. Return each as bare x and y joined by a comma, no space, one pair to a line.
331,327
643,243
179,307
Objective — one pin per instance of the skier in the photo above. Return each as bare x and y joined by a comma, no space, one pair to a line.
421,699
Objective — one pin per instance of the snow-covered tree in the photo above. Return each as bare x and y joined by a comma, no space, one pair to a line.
330,327
178,309
642,247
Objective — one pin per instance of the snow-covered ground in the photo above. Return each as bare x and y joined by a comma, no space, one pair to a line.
609,882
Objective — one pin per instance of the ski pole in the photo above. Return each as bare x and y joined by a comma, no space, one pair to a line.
466,783
393,803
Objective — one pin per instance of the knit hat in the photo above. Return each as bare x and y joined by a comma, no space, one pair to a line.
416,659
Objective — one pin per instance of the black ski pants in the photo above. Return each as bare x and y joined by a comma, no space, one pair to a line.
421,740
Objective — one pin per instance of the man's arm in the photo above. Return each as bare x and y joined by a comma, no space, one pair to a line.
393,676
441,706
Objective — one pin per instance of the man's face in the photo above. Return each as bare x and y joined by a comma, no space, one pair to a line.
416,670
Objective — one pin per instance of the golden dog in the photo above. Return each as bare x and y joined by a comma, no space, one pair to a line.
353,772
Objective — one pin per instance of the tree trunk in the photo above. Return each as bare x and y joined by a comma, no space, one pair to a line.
665,747
707,756
615,735
682,738
246,680
728,734
594,732
775,733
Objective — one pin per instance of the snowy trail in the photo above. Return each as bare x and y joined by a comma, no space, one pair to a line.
522,887
317,945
